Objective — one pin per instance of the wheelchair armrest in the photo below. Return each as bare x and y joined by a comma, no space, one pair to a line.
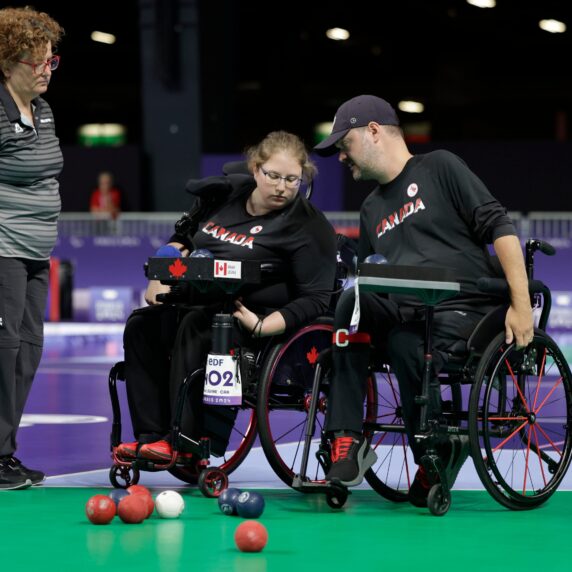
499,286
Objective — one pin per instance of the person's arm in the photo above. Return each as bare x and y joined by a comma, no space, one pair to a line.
312,265
271,325
519,322
155,287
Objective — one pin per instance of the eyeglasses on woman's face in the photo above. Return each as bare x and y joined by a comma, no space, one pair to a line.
38,68
274,178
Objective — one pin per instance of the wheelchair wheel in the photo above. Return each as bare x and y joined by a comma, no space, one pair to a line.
519,414
284,394
241,441
212,481
437,501
393,472
122,477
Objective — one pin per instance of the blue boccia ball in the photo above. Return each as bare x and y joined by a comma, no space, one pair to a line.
250,505
227,501
375,259
117,494
201,253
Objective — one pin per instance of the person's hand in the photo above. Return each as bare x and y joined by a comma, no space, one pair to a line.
519,326
246,318
153,288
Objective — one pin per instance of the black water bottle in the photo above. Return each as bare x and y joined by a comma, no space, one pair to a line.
222,334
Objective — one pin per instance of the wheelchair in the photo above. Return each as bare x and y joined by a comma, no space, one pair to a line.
515,405
276,381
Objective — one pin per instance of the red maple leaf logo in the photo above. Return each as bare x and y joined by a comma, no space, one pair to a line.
312,355
177,269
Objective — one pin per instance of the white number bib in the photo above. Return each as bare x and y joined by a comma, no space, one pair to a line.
222,381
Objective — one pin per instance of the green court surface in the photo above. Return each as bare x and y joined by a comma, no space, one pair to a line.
45,529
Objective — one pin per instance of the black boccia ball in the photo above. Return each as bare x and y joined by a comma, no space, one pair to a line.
227,501
250,504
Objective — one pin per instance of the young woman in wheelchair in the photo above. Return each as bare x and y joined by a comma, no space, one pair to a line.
427,210
262,217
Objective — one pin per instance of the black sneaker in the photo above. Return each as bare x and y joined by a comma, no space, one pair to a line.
11,478
35,476
453,459
351,458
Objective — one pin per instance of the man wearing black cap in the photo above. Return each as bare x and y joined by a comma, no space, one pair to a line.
427,210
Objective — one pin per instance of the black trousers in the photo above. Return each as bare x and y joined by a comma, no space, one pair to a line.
397,333
163,345
23,296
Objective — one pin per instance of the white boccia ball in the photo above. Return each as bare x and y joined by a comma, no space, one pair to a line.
169,504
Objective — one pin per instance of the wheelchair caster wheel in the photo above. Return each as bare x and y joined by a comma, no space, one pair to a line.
212,482
336,500
438,501
122,477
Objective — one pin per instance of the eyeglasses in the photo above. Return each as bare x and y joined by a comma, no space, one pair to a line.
38,69
274,178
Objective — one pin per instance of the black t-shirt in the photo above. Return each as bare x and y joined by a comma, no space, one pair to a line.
298,239
436,213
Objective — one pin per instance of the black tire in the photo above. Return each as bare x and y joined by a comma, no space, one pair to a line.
437,502
519,417
284,390
336,500
122,477
212,481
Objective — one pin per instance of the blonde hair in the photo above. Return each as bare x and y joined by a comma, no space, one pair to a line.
281,141
24,31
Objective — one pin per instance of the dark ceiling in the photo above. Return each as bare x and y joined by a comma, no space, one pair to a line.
481,73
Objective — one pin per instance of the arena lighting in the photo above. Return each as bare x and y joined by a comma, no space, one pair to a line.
337,34
103,37
552,26
482,3
409,106
102,134
322,130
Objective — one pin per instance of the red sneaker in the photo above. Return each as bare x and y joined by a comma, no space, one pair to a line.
127,450
161,451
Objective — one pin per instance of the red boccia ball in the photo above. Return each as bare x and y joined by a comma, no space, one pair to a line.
138,490
132,509
100,509
251,536
144,491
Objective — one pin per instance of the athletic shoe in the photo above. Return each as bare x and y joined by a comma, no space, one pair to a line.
36,477
11,476
127,450
161,451
453,460
351,458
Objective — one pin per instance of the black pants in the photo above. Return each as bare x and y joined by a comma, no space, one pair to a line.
397,333
163,345
23,295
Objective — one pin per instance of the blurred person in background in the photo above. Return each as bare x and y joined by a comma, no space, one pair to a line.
105,201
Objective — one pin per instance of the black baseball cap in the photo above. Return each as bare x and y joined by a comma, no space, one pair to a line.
356,112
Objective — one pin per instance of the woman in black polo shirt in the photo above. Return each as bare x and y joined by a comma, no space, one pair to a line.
264,219
30,163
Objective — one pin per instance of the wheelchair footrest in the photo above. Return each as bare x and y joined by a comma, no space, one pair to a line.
302,484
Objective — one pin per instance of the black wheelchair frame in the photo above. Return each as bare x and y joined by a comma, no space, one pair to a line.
278,380
520,403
